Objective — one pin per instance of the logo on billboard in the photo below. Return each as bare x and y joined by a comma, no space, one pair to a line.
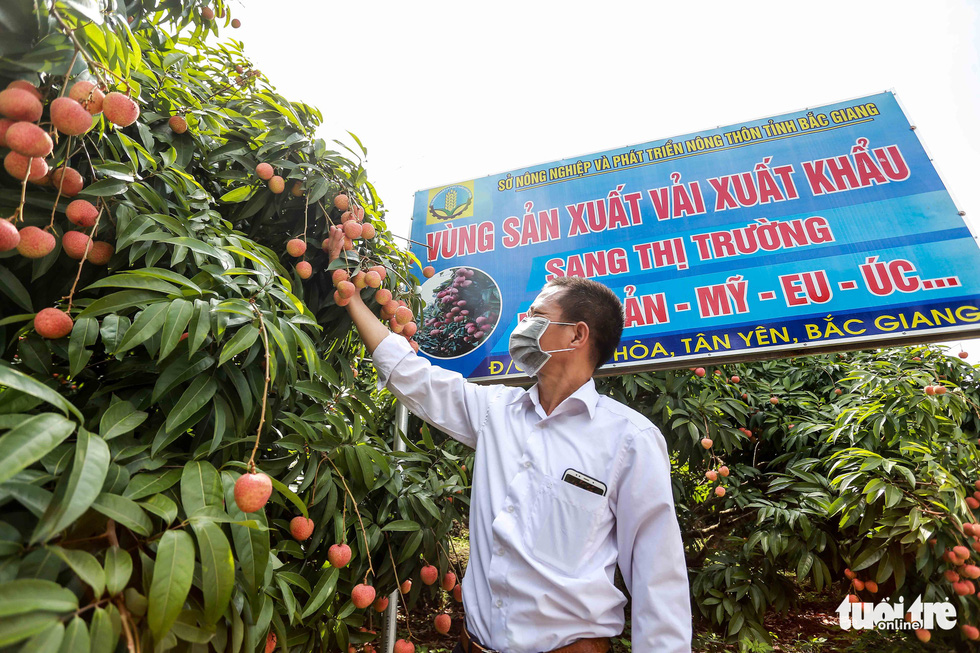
450,203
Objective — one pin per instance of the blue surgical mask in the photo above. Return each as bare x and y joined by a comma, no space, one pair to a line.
525,344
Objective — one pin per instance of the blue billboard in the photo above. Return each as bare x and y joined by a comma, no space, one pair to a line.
826,228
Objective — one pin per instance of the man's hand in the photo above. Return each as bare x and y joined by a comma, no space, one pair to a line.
335,242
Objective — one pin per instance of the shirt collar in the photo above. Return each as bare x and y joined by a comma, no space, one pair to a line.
586,394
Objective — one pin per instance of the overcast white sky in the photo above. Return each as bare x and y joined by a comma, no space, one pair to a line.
448,91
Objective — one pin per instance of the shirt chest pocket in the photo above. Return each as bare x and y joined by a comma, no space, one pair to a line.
563,525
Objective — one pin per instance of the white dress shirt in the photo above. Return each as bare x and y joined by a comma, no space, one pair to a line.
543,552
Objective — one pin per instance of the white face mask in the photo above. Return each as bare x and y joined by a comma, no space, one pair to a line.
525,343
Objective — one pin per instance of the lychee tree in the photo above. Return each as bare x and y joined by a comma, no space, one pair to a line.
186,427
855,472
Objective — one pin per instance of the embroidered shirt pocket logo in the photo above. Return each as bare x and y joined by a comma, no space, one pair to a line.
564,522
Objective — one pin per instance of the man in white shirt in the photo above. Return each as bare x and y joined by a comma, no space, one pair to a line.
567,484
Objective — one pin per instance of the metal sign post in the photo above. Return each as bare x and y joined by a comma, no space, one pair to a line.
390,624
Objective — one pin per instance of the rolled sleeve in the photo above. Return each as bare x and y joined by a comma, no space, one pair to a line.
441,397
651,551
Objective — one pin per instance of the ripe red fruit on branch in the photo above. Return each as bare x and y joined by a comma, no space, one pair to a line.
858,584
429,574
443,622
838,391
178,124
372,279
961,552
403,315
930,390
699,371
852,598
28,139
458,593
252,491
449,581
963,354
706,442
207,13
34,242
773,400
720,491
342,202
100,252
362,595
301,528
75,243
52,324
402,646
871,586
277,184
264,171
16,164
970,632
236,23
406,587
383,296
711,475
723,470
69,117
296,247
82,212
736,379
68,179
428,271
338,555
19,104
380,604
80,93
346,289
304,269
9,236
120,109
923,634
25,85
850,575
368,231
270,643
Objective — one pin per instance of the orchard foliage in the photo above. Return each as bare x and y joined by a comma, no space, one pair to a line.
195,351
836,462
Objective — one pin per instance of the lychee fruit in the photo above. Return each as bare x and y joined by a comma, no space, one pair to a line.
5,124
25,85
970,632
380,604
383,296
340,301
711,475
252,491
352,230
410,329
706,442
100,253
367,231
443,622
963,354
52,324
68,179
720,491
296,247
871,586
429,574
773,400
69,117
428,271
264,171
9,236
458,590
19,104
380,270
296,190
207,13
699,371
723,470
362,595
403,646
270,642
342,202
359,281
348,244
80,93
75,243
16,165
29,139
236,23
301,528
403,315
82,212
346,289
35,242
339,555
395,326
372,279
449,581
406,586
120,109
178,124
304,269
736,379
277,184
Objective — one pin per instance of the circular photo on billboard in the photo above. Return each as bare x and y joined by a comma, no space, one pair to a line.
462,309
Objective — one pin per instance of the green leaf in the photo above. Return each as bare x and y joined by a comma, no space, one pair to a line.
146,325
178,316
251,545
200,486
119,419
200,325
289,494
217,569
13,288
29,442
162,506
239,194
242,340
76,491
19,628
105,188
85,566
84,334
11,378
104,636
118,569
125,511
119,301
199,393
173,573
76,637
143,485
46,641
28,595
403,525
325,587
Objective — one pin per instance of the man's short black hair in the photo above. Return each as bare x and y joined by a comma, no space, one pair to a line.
585,300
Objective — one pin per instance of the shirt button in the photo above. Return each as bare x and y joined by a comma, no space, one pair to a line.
500,552
499,603
527,463
510,508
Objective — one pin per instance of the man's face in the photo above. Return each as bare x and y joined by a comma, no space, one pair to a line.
546,304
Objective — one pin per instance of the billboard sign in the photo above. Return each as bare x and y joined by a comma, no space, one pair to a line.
826,228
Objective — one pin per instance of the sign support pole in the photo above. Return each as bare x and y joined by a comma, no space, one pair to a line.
389,634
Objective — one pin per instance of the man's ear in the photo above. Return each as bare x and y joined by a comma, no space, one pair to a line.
581,337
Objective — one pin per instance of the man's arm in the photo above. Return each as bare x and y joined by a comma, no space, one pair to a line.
651,552
440,397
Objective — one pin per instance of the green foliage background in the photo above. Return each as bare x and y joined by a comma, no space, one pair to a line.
121,443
